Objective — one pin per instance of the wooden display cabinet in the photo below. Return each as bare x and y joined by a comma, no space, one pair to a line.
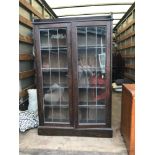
73,63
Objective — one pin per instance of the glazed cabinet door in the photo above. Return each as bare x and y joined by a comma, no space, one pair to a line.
54,74
91,64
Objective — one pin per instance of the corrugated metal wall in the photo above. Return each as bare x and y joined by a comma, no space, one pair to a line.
28,9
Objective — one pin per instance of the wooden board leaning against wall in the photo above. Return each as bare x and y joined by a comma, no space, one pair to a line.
125,40
29,10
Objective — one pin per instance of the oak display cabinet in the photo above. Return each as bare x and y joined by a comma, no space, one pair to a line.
73,64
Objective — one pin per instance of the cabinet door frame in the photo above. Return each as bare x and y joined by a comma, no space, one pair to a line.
108,24
40,76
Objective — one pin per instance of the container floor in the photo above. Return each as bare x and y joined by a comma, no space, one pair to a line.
30,143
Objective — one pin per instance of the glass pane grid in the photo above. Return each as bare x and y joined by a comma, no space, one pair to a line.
91,43
55,70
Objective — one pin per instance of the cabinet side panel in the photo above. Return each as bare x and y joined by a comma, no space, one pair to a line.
39,75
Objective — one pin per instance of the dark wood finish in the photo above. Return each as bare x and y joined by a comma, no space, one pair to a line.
25,39
86,132
128,117
26,57
30,8
25,21
74,127
69,20
26,74
39,75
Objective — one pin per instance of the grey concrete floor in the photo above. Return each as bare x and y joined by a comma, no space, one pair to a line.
30,143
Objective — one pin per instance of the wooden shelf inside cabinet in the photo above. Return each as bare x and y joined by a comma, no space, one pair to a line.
91,87
55,69
62,86
56,104
92,105
83,47
74,76
52,49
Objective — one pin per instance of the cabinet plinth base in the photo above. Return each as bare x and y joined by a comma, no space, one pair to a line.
69,131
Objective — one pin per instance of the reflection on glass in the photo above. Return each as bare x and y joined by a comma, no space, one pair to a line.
62,37
54,77
92,95
81,32
48,113
46,78
63,58
45,59
91,49
101,102
91,36
64,114
101,115
54,94
54,58
63,79
91,57
83,97
82,115
91,114
55,74
53,35
65,98
44,38
101,36
100,94
56,114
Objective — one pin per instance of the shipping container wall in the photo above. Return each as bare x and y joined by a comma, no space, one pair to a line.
125,40
28,10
